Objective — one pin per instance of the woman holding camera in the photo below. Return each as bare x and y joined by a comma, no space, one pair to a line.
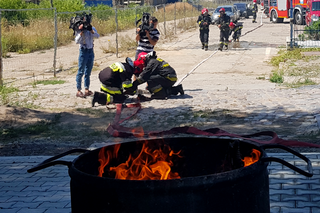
84,38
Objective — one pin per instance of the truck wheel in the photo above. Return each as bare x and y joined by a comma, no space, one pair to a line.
274,17
298,18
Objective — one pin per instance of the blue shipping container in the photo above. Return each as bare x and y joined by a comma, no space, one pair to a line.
95,3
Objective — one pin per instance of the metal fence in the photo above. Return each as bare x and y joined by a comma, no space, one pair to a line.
303,36
19,58
54,36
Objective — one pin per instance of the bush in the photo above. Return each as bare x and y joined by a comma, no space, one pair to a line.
276,77
313,31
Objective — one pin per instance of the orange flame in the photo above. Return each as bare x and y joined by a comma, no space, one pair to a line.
150,164
255,156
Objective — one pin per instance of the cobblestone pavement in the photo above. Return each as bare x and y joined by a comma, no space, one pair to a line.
48,191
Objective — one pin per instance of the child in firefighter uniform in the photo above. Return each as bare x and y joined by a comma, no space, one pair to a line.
236,29
254,11
158,74
204,20
223,24
114,80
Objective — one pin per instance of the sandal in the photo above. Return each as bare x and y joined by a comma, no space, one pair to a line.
79,94
88,93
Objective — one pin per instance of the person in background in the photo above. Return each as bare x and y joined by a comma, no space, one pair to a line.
254,11
149,39
204,20
84,38
223,24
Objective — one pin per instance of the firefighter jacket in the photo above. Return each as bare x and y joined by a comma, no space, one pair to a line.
254,8
224,22
116,77
156,66
202,19
236,30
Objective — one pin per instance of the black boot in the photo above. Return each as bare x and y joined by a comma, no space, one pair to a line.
177,89
202,46
143,98
206,46
99,97
160,95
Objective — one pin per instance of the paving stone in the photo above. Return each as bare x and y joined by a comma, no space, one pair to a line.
20,198
295,198
32,205
309,192
295,186
296,210
315,209
27,210
6,205
15,210
275,209
58,210
288,204
301,204
54,205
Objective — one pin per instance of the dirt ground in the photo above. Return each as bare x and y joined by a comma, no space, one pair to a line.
49,119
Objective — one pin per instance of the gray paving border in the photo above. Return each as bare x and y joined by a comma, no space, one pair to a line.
48,191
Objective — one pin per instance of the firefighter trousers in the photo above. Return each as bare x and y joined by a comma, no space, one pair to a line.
254,15
224,38
236,35
204,37
159,86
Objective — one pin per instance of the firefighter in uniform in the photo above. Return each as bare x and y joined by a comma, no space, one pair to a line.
158,74
204,20
236,29
254,11
114,80
223,24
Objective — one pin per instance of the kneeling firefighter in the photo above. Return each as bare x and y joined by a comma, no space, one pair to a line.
114,80
158,74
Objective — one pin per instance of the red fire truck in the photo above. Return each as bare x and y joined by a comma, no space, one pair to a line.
312,12
280,9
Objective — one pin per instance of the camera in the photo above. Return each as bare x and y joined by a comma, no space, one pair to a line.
145,25
84,19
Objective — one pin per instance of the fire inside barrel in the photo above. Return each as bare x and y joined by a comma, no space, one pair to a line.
151,162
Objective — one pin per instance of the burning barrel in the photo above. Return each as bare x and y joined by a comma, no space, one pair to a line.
180,174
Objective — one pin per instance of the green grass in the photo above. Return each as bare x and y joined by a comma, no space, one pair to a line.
48,82
5,92
42,127
293,69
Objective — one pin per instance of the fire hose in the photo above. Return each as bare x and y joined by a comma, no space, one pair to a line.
117,130
191,71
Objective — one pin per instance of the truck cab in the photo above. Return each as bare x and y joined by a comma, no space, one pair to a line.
312,11
280,9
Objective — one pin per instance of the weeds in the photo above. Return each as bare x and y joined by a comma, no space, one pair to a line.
301,82
42,127
4,93
48,82
276,76
295,67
